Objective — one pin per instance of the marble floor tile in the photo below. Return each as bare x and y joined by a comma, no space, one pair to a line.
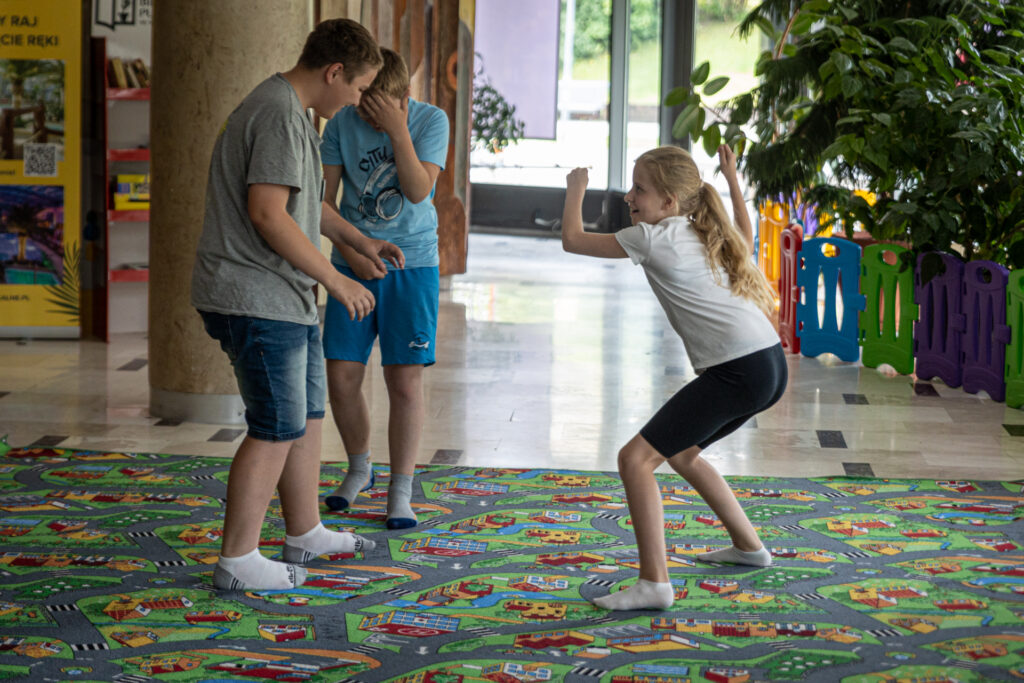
545,359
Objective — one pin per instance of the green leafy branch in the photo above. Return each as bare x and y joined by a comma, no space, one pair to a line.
918,103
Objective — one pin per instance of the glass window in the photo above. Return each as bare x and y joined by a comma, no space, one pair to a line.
644,82
581,116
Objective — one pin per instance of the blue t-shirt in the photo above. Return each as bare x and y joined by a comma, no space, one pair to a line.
372,198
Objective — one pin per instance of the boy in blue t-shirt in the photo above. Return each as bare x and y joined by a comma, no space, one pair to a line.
386,153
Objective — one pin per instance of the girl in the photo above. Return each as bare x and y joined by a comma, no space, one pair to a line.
699,265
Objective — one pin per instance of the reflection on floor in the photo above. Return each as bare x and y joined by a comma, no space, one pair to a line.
547,360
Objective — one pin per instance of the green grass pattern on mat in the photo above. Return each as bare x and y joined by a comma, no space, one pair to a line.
106,561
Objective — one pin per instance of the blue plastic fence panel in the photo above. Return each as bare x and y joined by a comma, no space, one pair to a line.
838,272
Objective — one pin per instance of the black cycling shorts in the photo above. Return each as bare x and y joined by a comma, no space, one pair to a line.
718,401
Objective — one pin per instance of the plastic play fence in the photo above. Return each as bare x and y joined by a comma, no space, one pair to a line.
935,315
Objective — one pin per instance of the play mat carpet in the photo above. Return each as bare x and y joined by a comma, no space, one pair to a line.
107,557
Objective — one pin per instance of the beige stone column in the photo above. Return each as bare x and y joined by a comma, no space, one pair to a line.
207,56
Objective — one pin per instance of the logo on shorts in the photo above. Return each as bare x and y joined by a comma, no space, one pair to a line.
419,344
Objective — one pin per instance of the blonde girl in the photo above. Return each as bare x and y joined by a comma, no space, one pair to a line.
699,265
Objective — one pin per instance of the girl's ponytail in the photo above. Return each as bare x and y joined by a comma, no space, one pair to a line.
674,172
728,250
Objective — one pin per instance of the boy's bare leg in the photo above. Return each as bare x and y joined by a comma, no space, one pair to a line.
352,416
300,477
405,427
254,473
637,462
705,479
405,423
306,538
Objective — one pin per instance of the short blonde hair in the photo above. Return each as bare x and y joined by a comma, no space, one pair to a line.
393,77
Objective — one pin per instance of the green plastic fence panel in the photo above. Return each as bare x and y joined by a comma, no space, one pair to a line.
886,324
1015,351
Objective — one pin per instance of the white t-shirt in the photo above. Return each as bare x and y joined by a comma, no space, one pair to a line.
716,326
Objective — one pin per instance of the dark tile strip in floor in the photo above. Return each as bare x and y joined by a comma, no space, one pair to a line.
924,389
48,441
226,435
445,456
1014,430
136,364
858,469
855,399
831,438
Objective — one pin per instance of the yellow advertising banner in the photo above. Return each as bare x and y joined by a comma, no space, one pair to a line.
40,167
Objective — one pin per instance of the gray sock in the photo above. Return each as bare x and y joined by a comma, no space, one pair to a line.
358,478
400,514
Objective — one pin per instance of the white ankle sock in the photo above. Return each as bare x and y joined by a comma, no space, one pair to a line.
733,555
252,571
320,540
643,594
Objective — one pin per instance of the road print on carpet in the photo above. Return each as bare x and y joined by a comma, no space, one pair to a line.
106,561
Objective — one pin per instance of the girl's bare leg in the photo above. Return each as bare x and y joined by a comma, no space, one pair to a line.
705,479
637,462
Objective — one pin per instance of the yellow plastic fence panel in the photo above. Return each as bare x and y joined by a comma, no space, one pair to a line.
774,217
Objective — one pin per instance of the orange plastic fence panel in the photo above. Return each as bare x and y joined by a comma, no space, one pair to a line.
774,217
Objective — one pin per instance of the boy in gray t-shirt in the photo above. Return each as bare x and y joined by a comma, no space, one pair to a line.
257,261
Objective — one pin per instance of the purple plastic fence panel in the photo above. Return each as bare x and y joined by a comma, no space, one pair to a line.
940,325
807,216
985,339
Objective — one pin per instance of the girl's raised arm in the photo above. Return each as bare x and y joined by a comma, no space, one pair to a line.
574,239
727,160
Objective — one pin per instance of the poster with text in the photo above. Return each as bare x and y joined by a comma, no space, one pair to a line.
40,168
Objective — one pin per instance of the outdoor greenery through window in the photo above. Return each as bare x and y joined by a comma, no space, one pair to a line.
584,60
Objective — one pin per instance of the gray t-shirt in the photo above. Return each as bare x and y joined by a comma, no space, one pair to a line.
268,138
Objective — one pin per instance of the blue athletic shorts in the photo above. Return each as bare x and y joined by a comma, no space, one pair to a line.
280,371
718,402
404,319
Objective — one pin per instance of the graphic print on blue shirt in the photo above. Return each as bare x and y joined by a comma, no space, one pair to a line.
381,198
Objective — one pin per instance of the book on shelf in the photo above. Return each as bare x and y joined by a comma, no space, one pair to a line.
115,73
131,191
141,72
127,73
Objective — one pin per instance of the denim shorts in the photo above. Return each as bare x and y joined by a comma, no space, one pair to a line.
404,319
280,371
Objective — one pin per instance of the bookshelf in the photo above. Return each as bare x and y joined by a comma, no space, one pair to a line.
125,137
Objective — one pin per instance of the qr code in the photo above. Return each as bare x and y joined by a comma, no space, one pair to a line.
41,160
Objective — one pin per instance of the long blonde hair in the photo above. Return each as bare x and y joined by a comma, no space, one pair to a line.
674,173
